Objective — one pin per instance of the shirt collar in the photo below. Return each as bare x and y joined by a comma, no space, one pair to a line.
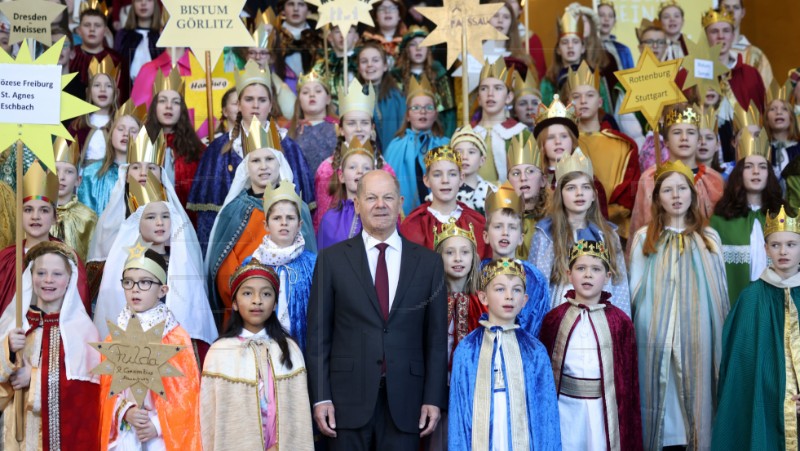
393,241
247,334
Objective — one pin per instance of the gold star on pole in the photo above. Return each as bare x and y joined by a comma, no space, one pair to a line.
38,137
137,359
650,86
450,19
205,26
195,91
31,19
702,65
343,13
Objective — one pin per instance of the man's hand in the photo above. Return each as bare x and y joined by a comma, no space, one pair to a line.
430,415
326,421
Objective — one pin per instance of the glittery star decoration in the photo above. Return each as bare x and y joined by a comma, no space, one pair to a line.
38,137
33,19
205,26
650,86
450,19
137,250
343,13
702,65
137,359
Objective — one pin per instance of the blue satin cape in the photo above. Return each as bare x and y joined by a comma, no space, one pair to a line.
298,274
95,191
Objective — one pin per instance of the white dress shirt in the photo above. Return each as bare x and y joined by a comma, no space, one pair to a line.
393,254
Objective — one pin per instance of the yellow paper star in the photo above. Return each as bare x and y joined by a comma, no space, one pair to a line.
137,359
650,86
205,26
137,250
31,19
702,65
195,91
343,13
449,20
38,137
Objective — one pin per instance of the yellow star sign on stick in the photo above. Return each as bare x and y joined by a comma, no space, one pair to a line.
205,26
31,19
702,65
343,13
137,359
195,89
450,20
650,86
38,137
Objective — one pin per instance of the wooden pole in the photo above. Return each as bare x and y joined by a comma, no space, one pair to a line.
345,81
464,76
209,98
525,10
19,395
325,33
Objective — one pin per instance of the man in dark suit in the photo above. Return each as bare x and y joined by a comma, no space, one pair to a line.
377,331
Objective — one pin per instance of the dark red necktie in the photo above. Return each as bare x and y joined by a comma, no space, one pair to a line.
382,281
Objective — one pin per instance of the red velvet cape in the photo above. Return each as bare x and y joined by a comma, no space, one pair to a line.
418,227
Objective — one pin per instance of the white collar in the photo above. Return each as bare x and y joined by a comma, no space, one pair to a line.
393,241
247,334
443,218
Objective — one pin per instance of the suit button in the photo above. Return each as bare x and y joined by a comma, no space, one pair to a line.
386,331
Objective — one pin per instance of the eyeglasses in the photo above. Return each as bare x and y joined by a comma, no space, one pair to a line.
144,285
530,172
418,108
387,9
655,42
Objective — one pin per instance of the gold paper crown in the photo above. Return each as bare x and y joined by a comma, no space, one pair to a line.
419,88
142,150
689,115
781,223
172,82
266,17
259,137
708,117
106,66
504,197
584,76
497,70
528,85
666,4
357,147
594,248
778,92
94,4
743,119
264,39
500,266
557,112
138,259
647,24
139,196
310,76
577,162
251,75
128,109
356,100
467,133
674,166
67,151
284,191
570,23
524,149
608,3
39,183
450,230
713,16
748,145
442,153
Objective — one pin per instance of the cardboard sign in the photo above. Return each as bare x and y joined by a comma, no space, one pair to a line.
343,13
30,94
31,19
650,86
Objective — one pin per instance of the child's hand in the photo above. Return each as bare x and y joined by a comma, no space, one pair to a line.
16,339
21,377
148,432
138,418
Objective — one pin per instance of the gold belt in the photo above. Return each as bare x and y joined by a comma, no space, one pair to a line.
580,388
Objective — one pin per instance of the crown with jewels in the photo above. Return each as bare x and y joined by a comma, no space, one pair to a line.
713,16
586,247
142,150
284,191
310,76
419,88
577,162
781,223
67,151
251,74
646,25
355,146
497,70
129,109
523,149
258,137
504,197
104,66
356,100
450,230
442,153
688,115
570,23
139,196
674,166
508,266
666,4
40,183
744,118
778,92
96,5
528,85
251,267
584,76
748,145
708,117
171,82
556,113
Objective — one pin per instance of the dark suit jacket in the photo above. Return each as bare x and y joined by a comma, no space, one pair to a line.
348,338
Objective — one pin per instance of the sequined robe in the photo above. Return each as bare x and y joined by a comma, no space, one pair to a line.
74,225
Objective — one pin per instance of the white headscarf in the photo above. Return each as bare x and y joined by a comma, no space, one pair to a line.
187,297
75,327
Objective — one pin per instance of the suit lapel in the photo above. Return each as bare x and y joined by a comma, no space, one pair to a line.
357,256
408,266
